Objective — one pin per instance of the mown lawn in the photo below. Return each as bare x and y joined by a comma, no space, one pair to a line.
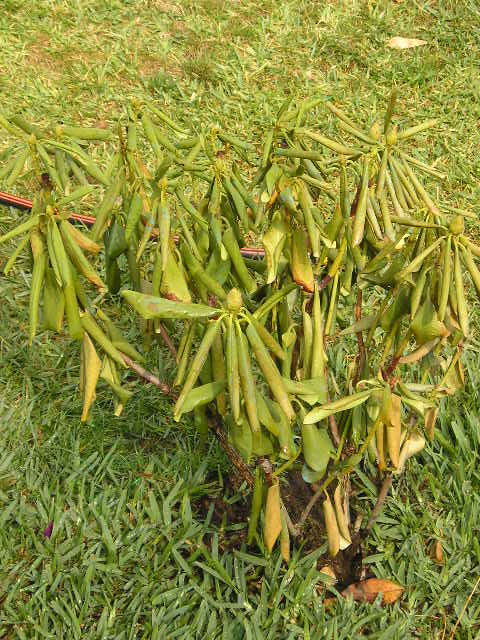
129,556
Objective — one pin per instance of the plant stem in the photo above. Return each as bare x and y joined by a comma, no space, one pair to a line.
167,340
150,377
332,422
387,483
214,422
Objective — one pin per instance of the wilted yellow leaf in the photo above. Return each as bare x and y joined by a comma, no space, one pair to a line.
273,519
392,418
285,540
328,579
412,445
331,525
91,365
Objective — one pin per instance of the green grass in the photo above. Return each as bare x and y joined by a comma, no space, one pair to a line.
129,556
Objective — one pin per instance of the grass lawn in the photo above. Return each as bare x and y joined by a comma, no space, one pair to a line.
129,555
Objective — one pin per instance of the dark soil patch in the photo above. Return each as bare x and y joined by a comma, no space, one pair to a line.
227,515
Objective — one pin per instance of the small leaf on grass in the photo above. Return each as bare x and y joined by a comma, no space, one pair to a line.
436,552
405,43
368,590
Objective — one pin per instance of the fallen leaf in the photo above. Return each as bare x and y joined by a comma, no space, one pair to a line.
405,43
368,590
437,552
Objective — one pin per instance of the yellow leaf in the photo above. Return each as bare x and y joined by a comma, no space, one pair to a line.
436,552
412,445
392,418
331,525
342,519
273,519
91,365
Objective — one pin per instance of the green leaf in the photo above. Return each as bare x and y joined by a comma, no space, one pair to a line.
273,243
322,412
202,395
311,391
317,447
361,325
310,476
152,307
272,176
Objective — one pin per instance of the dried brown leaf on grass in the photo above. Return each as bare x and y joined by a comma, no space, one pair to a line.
368,590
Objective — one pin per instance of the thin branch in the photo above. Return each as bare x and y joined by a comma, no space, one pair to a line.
324,283
387,483
150,377
213,422
167,340
313,501
333,423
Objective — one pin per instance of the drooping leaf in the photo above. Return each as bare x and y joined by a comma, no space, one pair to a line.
202,395
317,447
330,408
153,307
273,520
273,242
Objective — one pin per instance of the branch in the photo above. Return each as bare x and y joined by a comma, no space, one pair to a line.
324,283
167,340
333,423
313,500
150,377
235,459
213,421
387,483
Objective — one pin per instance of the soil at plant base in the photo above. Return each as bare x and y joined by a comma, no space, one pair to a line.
229,513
